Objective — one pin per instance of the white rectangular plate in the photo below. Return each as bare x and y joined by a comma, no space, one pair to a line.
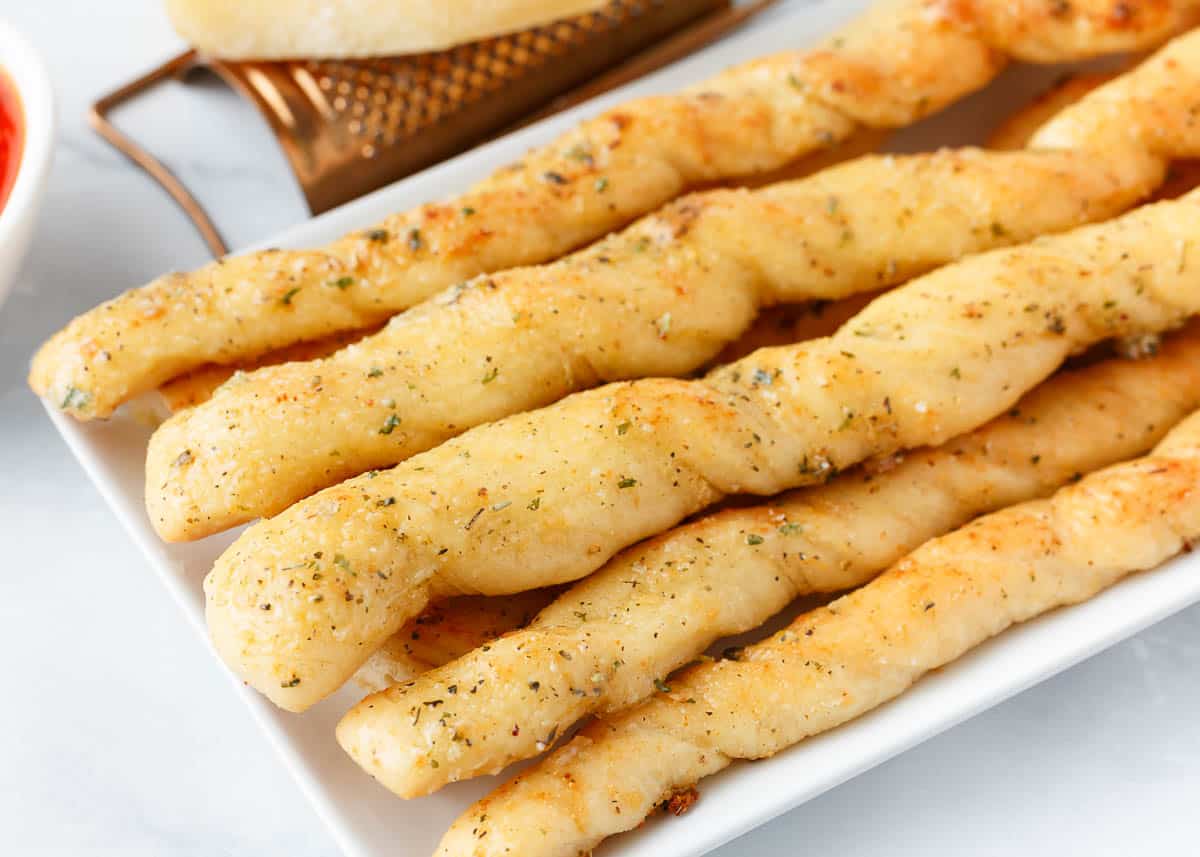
368,822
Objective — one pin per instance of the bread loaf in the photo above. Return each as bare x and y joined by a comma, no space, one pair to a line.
276,29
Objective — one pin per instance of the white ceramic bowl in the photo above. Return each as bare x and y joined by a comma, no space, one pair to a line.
28,74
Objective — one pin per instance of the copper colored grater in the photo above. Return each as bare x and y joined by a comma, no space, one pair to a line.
349,127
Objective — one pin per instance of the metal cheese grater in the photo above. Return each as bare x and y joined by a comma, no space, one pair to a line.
349,127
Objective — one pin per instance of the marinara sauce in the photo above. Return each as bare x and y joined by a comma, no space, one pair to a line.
12,136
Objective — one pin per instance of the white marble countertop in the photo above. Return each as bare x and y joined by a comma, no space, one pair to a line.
118,733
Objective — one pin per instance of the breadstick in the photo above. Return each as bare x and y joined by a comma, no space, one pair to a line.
1016,130
840,661
198,386
780,325
299,601
661,298
398,659
885,69
604,643
424,644
452,628
447,631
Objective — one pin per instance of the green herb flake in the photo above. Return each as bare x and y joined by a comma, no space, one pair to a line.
374,372
378,235
754,539
601,184
342,283
661,686
76,398
286,300
579,152
467,211
341,562
534,504
414,239
490,375
627,482
389,425
790,528
623,428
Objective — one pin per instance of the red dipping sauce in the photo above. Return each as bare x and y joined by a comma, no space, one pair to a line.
12,136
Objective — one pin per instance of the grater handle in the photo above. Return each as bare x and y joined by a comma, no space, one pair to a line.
708,29
156,169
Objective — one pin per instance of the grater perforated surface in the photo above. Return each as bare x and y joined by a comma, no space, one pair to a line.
350,126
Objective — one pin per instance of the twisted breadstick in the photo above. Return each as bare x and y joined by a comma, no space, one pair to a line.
603,644
661,298
198,386
452,628
424,644
300,600
447,631
778,325
1016,131
450,634
887,68
840,661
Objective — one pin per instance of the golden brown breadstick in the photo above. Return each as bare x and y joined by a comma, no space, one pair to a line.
1016,130
299,601
447,631
402,658
885,69
779,325
602,645
661,298
838,662
452,628
197,386
790,323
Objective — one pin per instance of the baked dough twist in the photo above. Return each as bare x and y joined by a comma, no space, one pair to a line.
453,628
603,644
885,69
660,299
838,662
447,631
299,601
